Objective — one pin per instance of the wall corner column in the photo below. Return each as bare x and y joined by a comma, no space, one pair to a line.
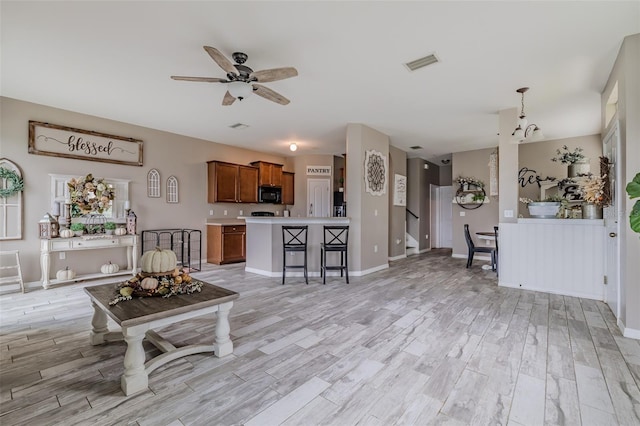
507,167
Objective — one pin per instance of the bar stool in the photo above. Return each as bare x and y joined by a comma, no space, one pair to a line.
294,239
336,239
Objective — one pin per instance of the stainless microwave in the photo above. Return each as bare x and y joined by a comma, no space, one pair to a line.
270,195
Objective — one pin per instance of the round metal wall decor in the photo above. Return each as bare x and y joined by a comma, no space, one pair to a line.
375,173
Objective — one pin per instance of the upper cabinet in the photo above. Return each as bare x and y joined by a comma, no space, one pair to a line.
288,188
270,173
232,183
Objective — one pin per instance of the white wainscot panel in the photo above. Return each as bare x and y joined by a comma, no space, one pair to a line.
554,255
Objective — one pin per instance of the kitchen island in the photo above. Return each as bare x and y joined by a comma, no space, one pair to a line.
264,243
560,256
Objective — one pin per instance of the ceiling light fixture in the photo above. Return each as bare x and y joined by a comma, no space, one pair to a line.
523,132
293,146
240,90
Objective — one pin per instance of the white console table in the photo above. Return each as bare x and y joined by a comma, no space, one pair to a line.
130,242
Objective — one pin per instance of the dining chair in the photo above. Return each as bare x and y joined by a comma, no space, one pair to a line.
294,239
336,239
473,249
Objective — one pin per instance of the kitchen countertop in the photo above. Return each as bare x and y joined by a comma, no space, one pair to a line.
225,221
281,220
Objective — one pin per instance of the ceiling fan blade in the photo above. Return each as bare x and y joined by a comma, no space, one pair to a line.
274,74
269,94
228,99
221,60
205,79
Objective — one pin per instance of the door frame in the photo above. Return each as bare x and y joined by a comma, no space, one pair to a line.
609,228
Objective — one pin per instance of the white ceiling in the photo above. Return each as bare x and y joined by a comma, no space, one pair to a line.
114,59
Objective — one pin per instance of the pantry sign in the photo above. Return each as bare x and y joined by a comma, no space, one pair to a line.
319,170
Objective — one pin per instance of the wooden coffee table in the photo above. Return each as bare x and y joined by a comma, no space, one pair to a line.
138,317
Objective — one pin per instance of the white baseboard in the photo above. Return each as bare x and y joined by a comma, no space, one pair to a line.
401,256
425,250
546,290
369,271
278,274
475,257
631,333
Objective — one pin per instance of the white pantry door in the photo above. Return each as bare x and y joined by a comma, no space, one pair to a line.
318,200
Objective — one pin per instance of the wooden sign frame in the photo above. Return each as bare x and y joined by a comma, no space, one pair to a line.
68,142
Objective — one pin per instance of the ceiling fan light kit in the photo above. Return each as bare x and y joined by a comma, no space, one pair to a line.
241,79
240,90
524,133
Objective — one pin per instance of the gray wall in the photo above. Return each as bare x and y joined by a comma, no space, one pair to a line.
397,214
419,181
537,156
171,154
472,164
626,72
300,164
369,214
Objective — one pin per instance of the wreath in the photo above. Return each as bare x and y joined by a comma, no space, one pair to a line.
14,183
89,194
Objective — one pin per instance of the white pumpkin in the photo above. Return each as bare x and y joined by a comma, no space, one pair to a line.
158,260
66,233
109,268
120,231
65,274
149,283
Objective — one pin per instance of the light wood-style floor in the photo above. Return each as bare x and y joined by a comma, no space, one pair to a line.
424,342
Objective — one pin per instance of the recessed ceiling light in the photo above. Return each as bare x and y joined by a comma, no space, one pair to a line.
239,126
293,146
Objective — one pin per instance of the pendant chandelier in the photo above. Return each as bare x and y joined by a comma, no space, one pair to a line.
524,133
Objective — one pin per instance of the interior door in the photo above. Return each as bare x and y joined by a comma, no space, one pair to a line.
445,216
318,201
612,221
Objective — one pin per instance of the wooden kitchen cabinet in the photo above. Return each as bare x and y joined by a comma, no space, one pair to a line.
288,188
226,243
232,183
270,173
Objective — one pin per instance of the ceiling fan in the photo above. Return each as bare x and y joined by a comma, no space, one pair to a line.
242,80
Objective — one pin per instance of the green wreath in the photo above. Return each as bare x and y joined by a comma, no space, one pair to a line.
15,183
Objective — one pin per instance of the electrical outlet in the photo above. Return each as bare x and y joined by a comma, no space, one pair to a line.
508,213
225,212
375,212
375,248
426,237
241,212
398,241
210,212
463,214
63,255
277,212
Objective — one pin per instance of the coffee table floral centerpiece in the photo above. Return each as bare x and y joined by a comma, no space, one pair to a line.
90,194
159,277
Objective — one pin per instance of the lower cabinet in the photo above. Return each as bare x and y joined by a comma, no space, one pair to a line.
226,243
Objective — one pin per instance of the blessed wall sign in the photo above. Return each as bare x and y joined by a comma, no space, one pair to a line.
59,141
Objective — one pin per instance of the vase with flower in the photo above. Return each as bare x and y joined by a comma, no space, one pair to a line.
592,189
577,163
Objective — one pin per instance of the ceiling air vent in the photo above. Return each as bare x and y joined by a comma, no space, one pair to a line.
422,62
239,126
416,147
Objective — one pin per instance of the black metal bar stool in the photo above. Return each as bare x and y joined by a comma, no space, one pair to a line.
294,239
336,239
